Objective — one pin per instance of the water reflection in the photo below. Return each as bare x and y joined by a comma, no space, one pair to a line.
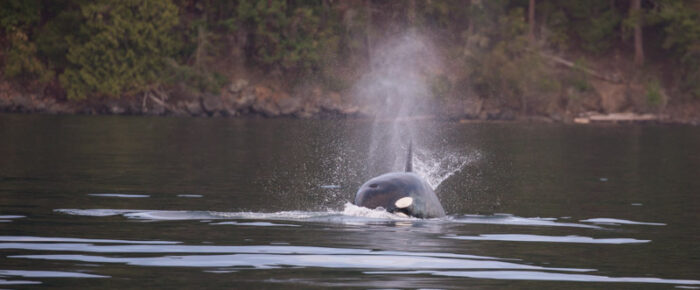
40,274
228,259
547,239
541,276
350,214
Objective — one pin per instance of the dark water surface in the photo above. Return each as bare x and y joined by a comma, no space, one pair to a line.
138,202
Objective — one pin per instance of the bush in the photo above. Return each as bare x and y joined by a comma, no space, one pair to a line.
288,37
125,50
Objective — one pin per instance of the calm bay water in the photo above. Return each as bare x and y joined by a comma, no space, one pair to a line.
138,202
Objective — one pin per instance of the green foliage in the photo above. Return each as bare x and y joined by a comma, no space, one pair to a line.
125,52
653,94
192,79
591,23
501,66
288,37
17,20
578,78
115,47
681,25
19,14
21,60
54,37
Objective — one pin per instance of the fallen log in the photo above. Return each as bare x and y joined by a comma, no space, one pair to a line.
572,65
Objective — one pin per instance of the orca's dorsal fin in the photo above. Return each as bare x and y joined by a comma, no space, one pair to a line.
409,159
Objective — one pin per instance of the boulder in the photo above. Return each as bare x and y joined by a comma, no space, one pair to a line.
212,104
289,105
264,102
193,107
332,102
115,108
237,86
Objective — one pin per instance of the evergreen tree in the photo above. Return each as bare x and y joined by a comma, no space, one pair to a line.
126,49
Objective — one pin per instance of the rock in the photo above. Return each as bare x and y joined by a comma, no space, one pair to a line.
193,107
237,86
350,110
113,107
332,102
21,103
264,102
612,96
245,100
472,107
212,104
156,109
507,115
289,105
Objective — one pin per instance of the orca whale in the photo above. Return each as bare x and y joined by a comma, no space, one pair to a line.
401,193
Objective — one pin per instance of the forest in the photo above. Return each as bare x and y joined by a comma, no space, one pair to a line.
504,59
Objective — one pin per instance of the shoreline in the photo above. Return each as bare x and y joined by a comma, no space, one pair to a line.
240,100
589,119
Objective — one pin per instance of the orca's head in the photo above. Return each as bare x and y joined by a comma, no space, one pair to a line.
390,191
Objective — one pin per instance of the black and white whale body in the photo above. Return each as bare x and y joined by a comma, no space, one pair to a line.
401,192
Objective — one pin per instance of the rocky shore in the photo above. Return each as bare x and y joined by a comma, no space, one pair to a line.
242,99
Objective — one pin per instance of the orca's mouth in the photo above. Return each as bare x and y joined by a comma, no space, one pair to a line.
403,211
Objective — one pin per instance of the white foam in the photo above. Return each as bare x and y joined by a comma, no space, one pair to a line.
378,213
351,214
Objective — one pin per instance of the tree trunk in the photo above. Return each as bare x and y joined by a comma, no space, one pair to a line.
531,20
411,12
636,11
368,30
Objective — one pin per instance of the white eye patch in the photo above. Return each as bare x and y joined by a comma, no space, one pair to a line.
404,202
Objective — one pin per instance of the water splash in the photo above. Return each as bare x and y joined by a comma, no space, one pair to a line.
436,167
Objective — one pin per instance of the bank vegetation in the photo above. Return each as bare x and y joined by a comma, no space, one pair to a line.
503,59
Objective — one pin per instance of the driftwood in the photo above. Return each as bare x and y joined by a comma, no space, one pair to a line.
160,101
616,117
569,64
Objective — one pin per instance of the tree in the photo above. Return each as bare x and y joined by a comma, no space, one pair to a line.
636,14
126,49
531,22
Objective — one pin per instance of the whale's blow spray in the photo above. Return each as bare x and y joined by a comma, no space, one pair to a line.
397,92
397,89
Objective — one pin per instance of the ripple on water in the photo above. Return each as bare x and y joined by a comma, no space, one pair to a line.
277,256
612,221
351,214
40,274
239,258
541,276
119,195
547,239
